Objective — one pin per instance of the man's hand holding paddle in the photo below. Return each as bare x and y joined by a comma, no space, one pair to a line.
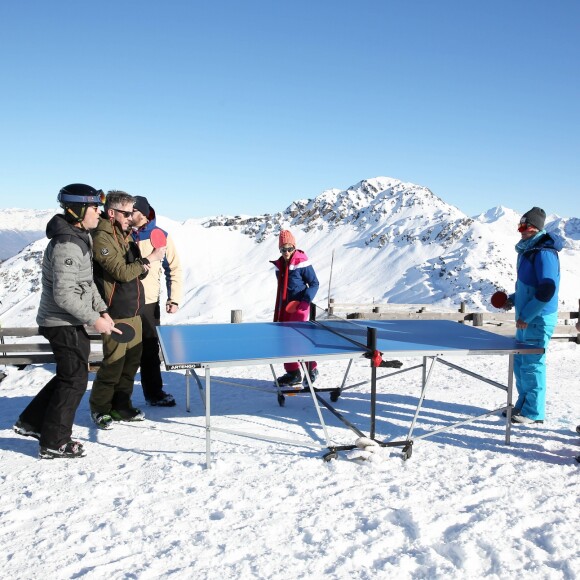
158,240
121,332
501,301
104,324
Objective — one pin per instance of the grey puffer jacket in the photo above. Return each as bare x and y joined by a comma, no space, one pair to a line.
69,295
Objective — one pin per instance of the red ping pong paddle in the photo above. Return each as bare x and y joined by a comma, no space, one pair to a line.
128,333
292,306
499,299
158,238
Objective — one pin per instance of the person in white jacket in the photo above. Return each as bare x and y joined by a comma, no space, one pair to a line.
144,222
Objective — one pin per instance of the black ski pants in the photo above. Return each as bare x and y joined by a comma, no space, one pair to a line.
151,380
52,411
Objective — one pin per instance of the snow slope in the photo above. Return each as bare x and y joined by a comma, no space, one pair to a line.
142,505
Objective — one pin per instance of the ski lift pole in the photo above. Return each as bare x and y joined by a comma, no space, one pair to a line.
329,281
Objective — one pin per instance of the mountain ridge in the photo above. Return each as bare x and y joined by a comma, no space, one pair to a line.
390,242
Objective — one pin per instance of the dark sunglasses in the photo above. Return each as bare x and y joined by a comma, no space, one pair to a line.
127,214
287,250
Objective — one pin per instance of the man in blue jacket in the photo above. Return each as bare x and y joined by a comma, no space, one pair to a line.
536,304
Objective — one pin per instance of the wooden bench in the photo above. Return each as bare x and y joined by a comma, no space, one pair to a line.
26,347
497,322
565,332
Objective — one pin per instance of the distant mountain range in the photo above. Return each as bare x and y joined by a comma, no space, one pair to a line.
20,227
391,241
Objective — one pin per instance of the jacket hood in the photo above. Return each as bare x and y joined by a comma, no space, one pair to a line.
551,240
149,226
58,226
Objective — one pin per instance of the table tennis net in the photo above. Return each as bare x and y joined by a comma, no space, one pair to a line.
355,332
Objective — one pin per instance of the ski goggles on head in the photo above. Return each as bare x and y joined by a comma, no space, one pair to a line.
524,226
97,198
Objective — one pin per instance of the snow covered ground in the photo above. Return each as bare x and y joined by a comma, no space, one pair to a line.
143,505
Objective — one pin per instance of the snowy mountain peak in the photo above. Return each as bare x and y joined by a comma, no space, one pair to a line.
375,204
496,213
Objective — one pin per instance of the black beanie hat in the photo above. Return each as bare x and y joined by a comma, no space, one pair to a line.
535,217
143,206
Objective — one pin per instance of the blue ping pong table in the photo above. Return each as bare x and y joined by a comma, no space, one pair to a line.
210,346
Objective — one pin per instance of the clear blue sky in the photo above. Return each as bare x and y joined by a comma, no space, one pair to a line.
242,106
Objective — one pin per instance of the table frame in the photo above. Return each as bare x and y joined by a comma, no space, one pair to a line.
433,356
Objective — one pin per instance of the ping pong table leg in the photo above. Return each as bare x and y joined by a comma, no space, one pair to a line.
315,400
188,374
207,419
426,379
372,345
510,386
199,386
281,398
334,395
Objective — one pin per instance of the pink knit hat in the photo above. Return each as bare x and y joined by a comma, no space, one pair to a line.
286,237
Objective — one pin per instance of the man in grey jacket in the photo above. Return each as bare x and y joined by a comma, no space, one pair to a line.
69,302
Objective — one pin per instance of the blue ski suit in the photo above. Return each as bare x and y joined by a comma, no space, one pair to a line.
536,303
